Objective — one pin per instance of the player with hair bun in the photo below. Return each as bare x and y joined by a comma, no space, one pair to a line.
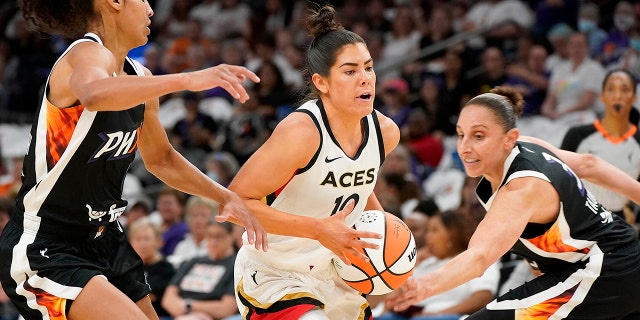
539,208
309,182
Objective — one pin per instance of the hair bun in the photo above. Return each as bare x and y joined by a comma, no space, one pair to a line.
322,21
514,97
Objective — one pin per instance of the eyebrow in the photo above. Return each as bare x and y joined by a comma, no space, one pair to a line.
353,64
475,126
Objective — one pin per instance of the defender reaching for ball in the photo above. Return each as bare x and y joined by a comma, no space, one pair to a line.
63,255
538,207
321,157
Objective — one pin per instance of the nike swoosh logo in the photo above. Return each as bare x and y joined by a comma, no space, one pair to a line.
327,160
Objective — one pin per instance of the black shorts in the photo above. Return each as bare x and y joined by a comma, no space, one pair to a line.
608,291
42,275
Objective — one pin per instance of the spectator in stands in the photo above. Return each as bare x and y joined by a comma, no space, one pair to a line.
146,240
398,161
531,79
394,94
198,213
588,20
574,85
630,60
402,40
400,193
448,235
457,89
180,47
494,70
505,20
431,99
617,41
469,203
426,147
153,59
175,25
203,287
613,138
417,223
559,38
169,206
265,50
247,129
137,211
205,11
221,167
273,94
440,28
232,19
550,13
196,131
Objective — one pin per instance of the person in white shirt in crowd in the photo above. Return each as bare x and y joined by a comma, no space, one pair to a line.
198,212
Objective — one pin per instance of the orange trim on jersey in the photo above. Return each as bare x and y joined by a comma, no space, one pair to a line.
284,185
551,241
61,122
632,130
545,309
55,305
135,145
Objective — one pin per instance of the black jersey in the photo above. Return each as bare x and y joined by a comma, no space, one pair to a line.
583,227
75,166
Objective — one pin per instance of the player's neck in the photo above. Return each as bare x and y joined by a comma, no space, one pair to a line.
614,127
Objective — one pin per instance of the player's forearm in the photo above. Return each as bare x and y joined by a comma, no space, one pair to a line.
602,173
461,269
282,223
177,172
124,92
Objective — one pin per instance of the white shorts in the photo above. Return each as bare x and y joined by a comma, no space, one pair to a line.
262,290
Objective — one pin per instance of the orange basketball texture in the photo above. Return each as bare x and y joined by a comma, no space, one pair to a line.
390,265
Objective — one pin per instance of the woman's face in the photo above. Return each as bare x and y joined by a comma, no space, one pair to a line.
482,144
350,86
219,241
135,21
578,47
618,95
169,207
199,216
145,242
438,238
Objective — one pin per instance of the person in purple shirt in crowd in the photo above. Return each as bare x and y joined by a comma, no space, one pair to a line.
617,40
394,97
170,206
531,79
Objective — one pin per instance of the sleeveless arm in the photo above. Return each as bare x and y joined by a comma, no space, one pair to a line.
90,69
596,170
519,202
291,146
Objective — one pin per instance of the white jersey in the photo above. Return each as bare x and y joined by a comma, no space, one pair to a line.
321,189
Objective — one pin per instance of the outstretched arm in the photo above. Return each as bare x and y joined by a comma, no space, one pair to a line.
520,201
594,169
90,69
163,161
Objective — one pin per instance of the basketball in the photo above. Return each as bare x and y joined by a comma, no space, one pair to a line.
389,265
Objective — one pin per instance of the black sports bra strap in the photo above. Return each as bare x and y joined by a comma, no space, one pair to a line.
92,36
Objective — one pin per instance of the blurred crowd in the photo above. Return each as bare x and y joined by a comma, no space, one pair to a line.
555,52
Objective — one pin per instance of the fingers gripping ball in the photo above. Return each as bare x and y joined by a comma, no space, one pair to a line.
390,265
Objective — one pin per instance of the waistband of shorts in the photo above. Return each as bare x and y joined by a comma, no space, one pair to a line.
54,230
268,260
